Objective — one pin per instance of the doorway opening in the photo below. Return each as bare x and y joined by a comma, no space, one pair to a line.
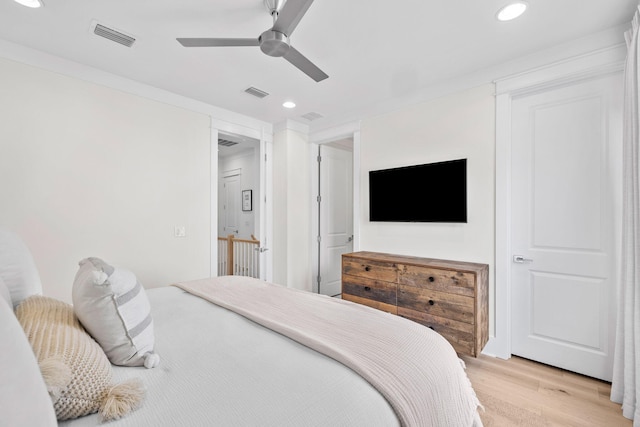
238,207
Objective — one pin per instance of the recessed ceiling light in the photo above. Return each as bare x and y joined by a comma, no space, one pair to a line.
30,3
289,104
511,11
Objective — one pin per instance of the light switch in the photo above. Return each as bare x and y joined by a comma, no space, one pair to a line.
179,231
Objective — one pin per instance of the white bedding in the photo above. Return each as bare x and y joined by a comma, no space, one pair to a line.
220,369
413,367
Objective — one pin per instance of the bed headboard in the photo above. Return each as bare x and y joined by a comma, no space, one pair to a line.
17,268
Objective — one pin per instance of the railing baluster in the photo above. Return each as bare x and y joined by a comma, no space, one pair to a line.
238,256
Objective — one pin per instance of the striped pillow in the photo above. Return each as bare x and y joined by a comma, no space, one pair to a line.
113,307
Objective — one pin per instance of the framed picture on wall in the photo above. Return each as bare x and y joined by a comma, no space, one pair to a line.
246,200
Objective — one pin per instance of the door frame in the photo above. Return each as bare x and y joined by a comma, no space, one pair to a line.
597,63
350,130
265,221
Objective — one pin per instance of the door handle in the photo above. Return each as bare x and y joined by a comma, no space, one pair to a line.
520,259
261,249
350,239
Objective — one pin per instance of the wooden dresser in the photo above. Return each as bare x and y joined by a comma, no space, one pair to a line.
450,297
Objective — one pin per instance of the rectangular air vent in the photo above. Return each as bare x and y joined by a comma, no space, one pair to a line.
312,116
226,142
113,35
256,92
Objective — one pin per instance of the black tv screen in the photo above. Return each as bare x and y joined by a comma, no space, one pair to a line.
432,192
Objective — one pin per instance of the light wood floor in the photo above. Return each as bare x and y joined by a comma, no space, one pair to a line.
519,392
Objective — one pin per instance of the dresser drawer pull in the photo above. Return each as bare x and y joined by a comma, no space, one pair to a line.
431,278
367,268
431,302
367,288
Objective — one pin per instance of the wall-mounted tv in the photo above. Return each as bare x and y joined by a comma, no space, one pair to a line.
432,192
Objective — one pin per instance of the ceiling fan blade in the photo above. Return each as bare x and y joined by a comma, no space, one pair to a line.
290,15
304,65
209,42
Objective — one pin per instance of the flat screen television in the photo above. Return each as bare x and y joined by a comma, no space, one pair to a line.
432,192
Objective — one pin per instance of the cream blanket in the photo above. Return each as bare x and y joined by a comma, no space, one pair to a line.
414,368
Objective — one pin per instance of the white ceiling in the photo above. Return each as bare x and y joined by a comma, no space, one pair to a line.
374,51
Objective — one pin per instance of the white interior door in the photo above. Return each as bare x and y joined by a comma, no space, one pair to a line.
336,216
564,189
231,204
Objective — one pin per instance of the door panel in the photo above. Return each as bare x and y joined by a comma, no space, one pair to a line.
562,225
567,173
232,204
336,216
566,299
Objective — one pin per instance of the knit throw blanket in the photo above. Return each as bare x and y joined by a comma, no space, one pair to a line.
413,367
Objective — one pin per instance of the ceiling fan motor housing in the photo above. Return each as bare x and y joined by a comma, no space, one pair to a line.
274,43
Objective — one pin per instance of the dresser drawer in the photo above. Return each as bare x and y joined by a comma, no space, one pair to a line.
436,303
459,334
370,269
376,290
454,282
371,303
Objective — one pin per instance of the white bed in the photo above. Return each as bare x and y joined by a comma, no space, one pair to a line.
217,367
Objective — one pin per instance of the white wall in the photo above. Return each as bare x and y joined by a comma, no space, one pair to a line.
292,209
249,180
90,171
461,125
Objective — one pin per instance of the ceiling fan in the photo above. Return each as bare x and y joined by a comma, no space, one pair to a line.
274,41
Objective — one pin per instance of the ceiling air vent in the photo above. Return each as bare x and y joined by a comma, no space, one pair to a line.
312,116
113,35
256,92
226,142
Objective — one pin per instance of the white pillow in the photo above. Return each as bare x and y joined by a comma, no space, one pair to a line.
113,307
24,400
17,268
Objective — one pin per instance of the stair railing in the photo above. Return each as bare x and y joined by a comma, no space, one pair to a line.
238,257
